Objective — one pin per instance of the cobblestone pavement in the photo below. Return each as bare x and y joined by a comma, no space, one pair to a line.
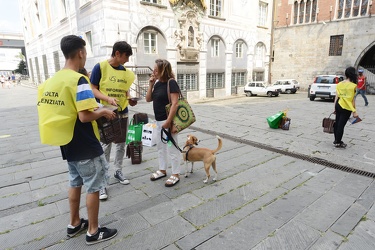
265,197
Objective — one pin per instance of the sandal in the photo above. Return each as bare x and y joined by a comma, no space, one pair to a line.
172,181
157,175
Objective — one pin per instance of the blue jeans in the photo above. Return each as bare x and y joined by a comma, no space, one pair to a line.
363,94
92,173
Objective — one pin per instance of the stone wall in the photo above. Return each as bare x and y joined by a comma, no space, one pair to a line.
302,51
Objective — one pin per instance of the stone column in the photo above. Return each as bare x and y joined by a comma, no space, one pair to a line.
202,73
228,71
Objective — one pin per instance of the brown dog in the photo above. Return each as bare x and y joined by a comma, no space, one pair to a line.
192,154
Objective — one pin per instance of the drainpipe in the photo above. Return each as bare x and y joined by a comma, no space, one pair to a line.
272,41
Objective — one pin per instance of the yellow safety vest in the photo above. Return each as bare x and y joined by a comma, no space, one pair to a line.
346,91
57,108
115,83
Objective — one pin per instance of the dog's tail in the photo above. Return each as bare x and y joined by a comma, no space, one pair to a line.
219,146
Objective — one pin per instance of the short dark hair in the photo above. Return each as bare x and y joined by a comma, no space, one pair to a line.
83,71
122,47
71,44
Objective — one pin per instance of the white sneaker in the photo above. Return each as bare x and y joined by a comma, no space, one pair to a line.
103,194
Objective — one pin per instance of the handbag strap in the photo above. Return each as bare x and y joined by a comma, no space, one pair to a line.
180,96
169,138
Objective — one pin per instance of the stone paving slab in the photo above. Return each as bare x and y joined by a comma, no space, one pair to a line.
306,175
328,241
27,217
12,190
362,237
292,203
50,180
199,237
15,200
347,222
121,202
36,234
213,209
367,197
292,236
244,235
156,237
325,180
259,200
327,208
357,185
167,210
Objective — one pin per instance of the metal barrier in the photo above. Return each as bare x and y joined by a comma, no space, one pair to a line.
369,72
140,86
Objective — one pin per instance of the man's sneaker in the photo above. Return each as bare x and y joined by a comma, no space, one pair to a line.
102,234
121,178
73,231
103,194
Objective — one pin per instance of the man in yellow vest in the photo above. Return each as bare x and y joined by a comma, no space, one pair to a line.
111,82
67,112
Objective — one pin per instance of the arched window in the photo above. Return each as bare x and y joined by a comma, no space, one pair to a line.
149,42
340,9
352,8
301,11
364,7
356,5
313,12
308,9
260,51
239,49
348,8
295,12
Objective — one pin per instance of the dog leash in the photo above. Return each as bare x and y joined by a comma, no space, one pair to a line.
169,138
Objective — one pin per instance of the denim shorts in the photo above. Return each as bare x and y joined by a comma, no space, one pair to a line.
92,173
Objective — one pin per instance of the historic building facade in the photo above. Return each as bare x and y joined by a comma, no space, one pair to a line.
323,37
215,46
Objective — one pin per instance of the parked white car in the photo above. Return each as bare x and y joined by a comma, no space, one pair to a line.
289,86
324,86
260,88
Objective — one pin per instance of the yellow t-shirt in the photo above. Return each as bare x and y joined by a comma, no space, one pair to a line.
115,83
345,90
60,98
